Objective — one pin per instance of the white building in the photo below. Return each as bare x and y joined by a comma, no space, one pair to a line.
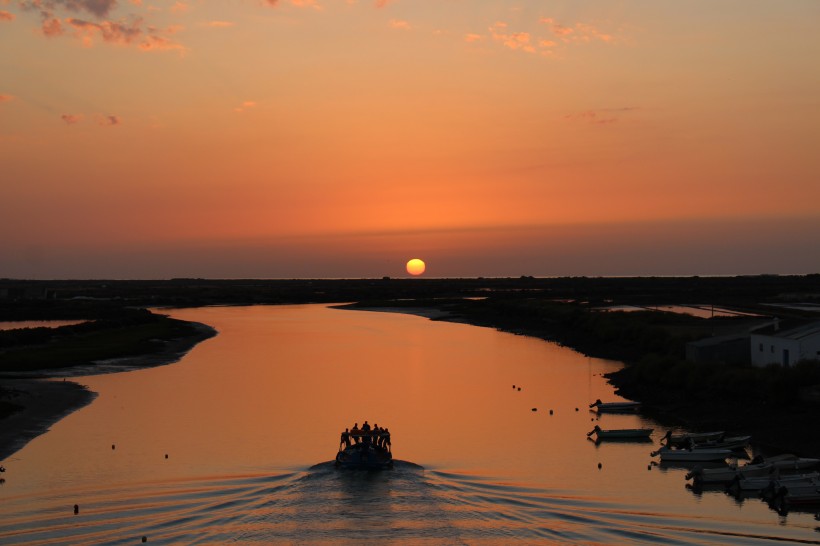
786,347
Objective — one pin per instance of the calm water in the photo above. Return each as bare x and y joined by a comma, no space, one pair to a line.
250,420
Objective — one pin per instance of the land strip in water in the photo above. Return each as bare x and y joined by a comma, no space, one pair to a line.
773,404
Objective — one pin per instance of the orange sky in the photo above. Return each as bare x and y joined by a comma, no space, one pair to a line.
338,138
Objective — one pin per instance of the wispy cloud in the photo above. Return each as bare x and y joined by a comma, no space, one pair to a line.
6,98
219,24
65,17
400,24
246,105
577,32
108,120
298,3
71,119
603,116
6,16
382,3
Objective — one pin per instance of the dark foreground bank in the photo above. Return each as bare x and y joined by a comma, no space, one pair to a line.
32,400
35,406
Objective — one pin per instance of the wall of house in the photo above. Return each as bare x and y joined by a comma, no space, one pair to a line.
810,347
772,350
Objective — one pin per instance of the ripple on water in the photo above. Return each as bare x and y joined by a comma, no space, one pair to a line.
324,505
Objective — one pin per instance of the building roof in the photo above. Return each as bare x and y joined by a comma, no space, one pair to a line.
797,333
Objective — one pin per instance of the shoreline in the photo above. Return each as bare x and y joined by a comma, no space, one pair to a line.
44,399
44,402
779,430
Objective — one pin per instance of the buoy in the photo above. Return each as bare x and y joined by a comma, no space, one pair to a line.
649,467
534,409
76,508
576,409
550,412
599,466
513,386
519,388
2,468
145,539
2,481
113,446
166,455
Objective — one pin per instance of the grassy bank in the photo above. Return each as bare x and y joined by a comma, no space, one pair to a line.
131,333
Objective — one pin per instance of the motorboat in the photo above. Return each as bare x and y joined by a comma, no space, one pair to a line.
365,450
684,439
744,483
783,495
728,442
616,407
691,455
621,434
758,467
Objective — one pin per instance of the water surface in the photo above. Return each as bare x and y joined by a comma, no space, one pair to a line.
234,443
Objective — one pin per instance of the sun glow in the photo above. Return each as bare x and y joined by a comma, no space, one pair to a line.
416,266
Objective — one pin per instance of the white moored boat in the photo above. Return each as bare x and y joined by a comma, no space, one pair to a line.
691,455
758,467
684,439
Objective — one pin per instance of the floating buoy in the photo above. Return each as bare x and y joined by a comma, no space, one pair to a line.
2,481
2,468
550,412
649,467
145,539
599,466
513,386
534,409
166,455
519,388
113,446
76,508
576,409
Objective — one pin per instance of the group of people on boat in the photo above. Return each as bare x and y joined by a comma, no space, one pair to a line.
366,436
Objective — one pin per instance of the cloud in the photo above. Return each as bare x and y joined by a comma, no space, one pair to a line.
298,3
512,40
125,33
130,30
219,24
245,106
398,23
71,119
6,16
180,7
108,120
604,116
578,32
6,98
473,37
382,3
98,8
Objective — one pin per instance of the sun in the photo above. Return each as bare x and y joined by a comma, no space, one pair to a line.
416,266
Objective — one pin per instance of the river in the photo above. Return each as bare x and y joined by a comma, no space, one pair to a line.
234,443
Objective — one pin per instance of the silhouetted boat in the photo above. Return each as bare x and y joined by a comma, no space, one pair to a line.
759,467
615,407
621,433
684,439
691,455
365,451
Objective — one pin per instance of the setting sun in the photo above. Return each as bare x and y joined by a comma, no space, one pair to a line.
416,266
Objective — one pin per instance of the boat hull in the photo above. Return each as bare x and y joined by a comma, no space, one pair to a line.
365,457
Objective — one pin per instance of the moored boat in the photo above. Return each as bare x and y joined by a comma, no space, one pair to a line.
691,455
616,407
684,439
759,467
621,434
744,483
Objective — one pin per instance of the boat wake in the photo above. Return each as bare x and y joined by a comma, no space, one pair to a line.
326,505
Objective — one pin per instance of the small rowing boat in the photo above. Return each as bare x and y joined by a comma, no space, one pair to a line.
616,407
620,434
